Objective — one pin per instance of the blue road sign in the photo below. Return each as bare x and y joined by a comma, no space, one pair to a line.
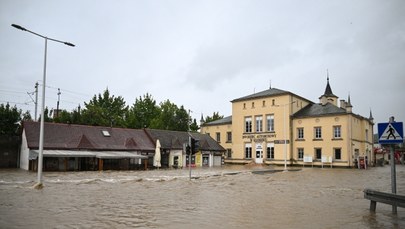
390,133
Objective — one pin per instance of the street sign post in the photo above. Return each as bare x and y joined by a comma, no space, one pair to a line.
391,133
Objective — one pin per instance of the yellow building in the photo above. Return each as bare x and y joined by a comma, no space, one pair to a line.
221,131
281,128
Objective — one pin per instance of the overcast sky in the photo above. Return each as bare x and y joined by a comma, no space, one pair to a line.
203,54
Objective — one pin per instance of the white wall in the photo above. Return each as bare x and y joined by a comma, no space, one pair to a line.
24,162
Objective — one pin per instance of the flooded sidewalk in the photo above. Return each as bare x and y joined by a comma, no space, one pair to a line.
225,197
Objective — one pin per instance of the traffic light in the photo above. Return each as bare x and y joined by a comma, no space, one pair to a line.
195,145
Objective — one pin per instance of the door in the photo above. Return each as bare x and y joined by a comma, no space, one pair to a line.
259,154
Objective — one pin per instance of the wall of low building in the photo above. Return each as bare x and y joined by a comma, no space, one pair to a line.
176,159
24,152
9,151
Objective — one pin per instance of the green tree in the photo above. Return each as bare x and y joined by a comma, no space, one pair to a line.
215,116
165,121
10,118
63,117
143,112
194,126
182,119
171,117
76,116
46,115
105,110
26,116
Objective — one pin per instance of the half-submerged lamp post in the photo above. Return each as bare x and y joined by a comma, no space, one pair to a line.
41,132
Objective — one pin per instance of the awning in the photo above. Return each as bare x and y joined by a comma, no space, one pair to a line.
77,153
61,153
118,155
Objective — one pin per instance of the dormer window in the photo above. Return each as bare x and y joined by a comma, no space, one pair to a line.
106,133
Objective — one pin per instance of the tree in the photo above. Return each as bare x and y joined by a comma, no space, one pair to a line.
10,118
194,126
143,112
171,117
105,110
63,117
215,116
26,116
46,115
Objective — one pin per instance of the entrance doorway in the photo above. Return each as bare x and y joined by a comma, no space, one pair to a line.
259,154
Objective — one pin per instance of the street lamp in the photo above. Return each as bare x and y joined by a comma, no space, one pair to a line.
41,132
285,134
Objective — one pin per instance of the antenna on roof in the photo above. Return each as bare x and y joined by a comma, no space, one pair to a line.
327,74
270,85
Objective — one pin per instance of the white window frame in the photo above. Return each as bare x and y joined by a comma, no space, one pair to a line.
337,132
248,151
270,122
300,133
248,125
318,132
259,123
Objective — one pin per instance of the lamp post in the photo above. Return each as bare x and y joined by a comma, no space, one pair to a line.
41,132
284,132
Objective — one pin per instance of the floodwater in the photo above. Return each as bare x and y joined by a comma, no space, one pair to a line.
226,197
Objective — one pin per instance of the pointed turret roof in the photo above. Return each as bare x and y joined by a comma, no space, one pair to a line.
328,90
349,103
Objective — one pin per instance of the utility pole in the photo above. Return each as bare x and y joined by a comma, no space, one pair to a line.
57,104
36,100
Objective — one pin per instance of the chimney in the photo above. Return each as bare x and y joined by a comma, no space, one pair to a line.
343,104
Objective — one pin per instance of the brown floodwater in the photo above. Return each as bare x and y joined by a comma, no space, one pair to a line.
226,197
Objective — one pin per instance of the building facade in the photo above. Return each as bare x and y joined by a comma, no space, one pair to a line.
281,128
69,147
221,132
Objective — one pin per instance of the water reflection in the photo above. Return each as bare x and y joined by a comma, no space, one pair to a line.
228,197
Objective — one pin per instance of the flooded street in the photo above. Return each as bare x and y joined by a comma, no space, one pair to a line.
227,197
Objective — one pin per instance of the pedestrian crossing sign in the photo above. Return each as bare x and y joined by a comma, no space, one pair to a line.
390,133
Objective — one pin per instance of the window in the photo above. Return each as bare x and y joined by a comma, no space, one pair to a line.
300,153
105,133
244,105
338,153
366,134
218,135
248,124
318,153
270,151
264,103
318,133
248,151
229,153
270,123
337,132
253,104
300,133
228,136
259,123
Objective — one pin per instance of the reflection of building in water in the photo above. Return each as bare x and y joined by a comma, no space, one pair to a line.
266,126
